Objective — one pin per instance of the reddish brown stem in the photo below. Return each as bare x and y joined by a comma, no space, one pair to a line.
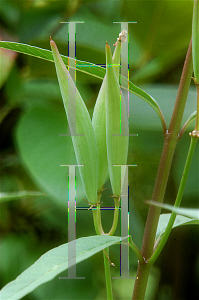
170,142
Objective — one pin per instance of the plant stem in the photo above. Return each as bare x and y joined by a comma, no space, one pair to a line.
97,220
197,112
141,280
162,176
99,230
167,156
108,275
136,251
116,214
177,202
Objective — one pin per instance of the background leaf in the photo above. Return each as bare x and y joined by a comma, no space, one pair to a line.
18,195
43,150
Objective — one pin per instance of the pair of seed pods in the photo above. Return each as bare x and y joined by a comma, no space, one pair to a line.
99,144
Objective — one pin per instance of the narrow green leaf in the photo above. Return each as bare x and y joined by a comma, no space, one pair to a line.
179,221
79,121
116,133
146,97
87,68
18,195
83,66
187,212
53,263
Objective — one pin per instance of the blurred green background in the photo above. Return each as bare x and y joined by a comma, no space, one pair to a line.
32,117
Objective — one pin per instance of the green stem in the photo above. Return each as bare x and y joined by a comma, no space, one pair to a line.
197,112
97,220
163,173
133,246
116,214
99,230
108,274
177,202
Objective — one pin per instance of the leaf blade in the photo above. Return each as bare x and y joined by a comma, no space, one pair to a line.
54,262
187,212
179,221
85,67
9,196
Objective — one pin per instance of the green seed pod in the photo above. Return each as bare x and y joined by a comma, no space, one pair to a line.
85,146
99,126
116,58
99,122
195,40
116,133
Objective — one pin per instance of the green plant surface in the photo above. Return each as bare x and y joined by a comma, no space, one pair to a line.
51,119
116,126
195,38
43,150
99,126
179,221
187,212
18,195
142,115
54,262
31,150
190,119
153,31
45,54
85,67
81,129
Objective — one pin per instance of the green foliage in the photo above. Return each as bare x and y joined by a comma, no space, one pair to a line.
43,150
18,195
180,220
54,262
32,117
188,212
85,67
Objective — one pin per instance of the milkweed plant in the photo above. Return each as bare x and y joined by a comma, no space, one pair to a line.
101,149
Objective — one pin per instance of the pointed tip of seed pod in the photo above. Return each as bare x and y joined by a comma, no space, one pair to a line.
52,44
107,46
51,41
